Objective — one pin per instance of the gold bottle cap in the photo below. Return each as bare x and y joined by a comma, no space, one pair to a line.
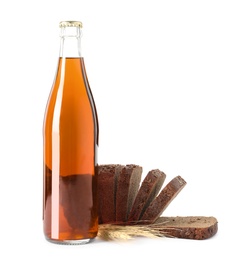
70,24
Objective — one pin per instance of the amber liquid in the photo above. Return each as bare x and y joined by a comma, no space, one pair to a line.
70,141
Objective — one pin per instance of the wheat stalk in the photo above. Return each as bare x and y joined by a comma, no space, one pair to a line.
119,232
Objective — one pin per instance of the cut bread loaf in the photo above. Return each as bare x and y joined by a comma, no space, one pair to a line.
127,187
161,202
122,200
198,227
149,189
106,184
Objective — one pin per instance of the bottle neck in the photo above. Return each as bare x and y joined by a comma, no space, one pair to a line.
70,42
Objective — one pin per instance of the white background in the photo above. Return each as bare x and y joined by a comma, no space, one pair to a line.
167,78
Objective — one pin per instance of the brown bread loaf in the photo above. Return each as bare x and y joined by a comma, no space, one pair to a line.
121,202
198,227
161,202
106,184
149,189
127,187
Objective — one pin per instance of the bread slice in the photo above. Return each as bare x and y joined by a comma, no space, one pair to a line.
192,227
127,187
161,202
107,176
149,189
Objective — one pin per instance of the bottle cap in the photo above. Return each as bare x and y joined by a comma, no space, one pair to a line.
70,24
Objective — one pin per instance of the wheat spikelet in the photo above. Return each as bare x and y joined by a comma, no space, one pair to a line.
119,232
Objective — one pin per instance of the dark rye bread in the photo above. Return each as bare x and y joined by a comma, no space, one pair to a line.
196,227
127,187
149,189
107,184
161,202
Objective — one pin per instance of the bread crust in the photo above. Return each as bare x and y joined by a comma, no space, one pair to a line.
107,181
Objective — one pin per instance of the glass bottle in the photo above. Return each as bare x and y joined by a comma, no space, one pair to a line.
70,134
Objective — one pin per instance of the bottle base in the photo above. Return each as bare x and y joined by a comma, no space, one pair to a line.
70,242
